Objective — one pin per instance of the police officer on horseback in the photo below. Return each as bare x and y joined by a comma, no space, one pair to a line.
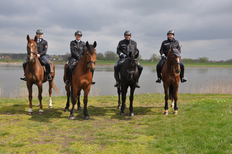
42,46
124,47
165,47
77,49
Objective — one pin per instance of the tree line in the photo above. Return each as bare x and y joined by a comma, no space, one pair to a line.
108,55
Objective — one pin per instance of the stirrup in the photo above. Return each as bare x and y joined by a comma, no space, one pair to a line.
184,80
67,83
136,85
24,79
49,77
116,85
158,80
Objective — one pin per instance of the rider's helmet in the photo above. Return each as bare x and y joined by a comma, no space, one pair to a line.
39,31
171,32
78,33
127,33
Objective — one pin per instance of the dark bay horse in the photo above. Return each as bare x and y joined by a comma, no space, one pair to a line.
171,78
81,79
129,75
34,74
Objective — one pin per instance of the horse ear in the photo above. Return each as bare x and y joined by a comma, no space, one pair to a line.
28,38
87,44
35,38
94,44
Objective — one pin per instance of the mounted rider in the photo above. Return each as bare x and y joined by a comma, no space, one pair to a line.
165,47
77,49
42,46
124,47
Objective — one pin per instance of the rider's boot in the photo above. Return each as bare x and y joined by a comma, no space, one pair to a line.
116,76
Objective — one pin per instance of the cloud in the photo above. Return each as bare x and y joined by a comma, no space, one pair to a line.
105,21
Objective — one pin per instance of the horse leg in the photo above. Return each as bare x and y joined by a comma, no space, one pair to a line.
50,93
166,100
172,104
74,100
67,88
131,101
119,99
40,98
86,92
78,99
29,87
124,91
175,98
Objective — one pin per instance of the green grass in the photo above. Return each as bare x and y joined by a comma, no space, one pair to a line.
203,125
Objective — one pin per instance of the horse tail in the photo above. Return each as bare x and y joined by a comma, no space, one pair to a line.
170,92
54,87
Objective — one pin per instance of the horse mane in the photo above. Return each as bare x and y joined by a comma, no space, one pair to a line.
169,57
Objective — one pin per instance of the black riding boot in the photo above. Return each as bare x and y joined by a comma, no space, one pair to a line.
48,69
140,71
93,82
158,70
116,76
67,83
183,79
24,67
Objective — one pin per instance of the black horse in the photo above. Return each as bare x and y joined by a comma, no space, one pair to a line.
129,75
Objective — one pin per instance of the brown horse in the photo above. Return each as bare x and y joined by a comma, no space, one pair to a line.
171,78
34,74
81,79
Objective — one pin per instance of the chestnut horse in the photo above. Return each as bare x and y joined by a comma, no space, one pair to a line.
81,80
34,74
171,78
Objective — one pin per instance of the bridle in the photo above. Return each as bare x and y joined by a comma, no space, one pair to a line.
177,63
87,63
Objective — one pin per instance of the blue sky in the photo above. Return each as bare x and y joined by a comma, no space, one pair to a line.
203,28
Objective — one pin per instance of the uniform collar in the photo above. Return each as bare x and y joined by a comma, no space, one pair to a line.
171,40
78,41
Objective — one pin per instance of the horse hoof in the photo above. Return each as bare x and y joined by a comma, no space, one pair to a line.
132,114
79,108
119,107
172,106
30,113
165,113
50,107
175,112
86,117
71,118
122,114
41,112
65,110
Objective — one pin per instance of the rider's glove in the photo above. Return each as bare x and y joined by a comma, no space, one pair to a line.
163,56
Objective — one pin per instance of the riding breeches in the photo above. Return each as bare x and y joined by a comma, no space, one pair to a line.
47,64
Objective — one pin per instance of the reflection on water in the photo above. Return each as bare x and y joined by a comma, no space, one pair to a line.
200,80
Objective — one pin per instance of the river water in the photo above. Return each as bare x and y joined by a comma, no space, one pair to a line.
200,80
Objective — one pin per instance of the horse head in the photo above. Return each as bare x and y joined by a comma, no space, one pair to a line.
90,56
174,59
31,49
131,65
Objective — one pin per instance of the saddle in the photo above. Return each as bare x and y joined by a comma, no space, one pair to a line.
42,62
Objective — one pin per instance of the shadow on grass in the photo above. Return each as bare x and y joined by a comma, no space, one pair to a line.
93,111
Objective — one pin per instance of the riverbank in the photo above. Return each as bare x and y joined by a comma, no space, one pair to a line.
204,121
144,63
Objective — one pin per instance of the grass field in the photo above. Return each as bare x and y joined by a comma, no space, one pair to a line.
203,125
144,63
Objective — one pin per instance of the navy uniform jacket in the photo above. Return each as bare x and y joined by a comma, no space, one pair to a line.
42,47
126,46
167,44
77,49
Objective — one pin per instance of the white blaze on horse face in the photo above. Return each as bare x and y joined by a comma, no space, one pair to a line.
178,60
